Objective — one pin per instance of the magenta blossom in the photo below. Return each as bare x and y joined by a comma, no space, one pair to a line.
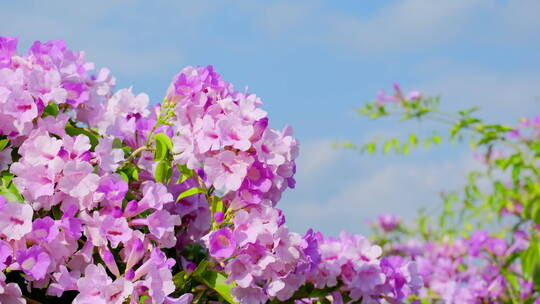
222,243
34,261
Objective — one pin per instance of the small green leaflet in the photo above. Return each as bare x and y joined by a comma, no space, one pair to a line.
218,282
163,172
8,189
163,146
74,131
51,109
530,259
190,192
142,300
3,143
185,173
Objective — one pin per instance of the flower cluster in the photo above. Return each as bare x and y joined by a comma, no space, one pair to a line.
467,270
357,264
107,199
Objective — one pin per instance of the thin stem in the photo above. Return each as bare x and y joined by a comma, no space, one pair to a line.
31,301
135,153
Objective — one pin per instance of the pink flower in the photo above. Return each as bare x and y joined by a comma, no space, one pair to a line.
207,136
5,158
227,170
184,149
92,287
15,220
155,195
45,229
8,48
161,222
34,262
388,222
10,293
221,243
114,188
234,132
78,180
116,230
241,270
6,254
63,281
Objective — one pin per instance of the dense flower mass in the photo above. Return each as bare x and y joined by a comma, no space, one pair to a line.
105,198
484,247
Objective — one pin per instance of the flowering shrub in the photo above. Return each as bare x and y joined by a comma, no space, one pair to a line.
485,246
105,198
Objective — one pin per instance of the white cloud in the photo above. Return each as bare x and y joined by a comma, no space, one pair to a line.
500,94
280,17
402,25
393,187
315,158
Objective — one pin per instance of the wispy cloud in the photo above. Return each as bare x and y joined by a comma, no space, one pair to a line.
403,25
393,188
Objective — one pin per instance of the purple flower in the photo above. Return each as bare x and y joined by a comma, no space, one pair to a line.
311,251
161,222
113,187
8,47
11,292
45,229
388,222
116,230
15,220
93,285
78,180
221,243
6,254
227,170
33,261
218,217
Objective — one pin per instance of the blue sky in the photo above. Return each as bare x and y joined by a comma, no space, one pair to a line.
312,62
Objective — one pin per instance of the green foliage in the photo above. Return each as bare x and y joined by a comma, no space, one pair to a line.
163,171
508,183
190,192
73,130
4,143
51,109
163,146
8,189
218,282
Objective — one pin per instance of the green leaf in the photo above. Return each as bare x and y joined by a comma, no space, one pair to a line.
9,190
142,300
217,204
413,140
163,146
179,279
57,212
405,149
185,173
371,147
218,282
535,213
201,268
163,172
530,258
190,192
387,147
74,131
51,109
124,176
3,143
